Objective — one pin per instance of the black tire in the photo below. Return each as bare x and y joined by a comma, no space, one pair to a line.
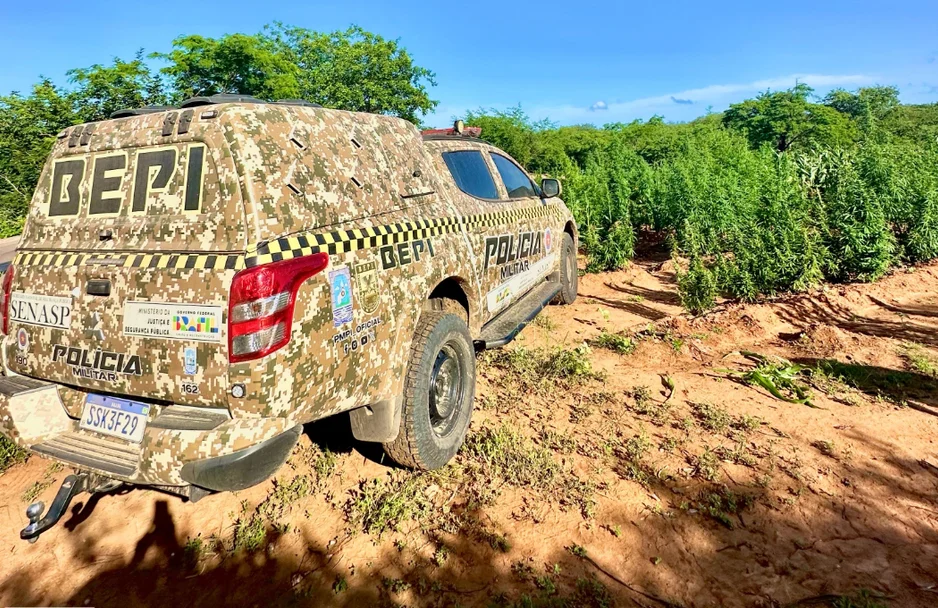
437,408
569,278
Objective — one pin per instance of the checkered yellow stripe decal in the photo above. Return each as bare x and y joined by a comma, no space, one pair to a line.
343,241
198,261
292,246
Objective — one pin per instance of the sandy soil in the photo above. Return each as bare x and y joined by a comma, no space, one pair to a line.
717,495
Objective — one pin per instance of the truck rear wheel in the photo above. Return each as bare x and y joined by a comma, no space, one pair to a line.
438,393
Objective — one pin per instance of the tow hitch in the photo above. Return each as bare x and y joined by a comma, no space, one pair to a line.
71,487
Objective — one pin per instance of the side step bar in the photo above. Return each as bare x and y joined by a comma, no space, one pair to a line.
503,328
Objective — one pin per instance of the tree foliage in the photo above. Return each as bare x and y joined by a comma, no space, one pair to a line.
778,193
877,101
352,69
787,119
235,63
28,127
355,70
102,90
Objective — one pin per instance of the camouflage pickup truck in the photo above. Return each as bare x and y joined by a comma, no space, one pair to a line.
195,283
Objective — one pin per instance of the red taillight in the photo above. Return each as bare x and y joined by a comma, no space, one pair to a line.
260,305
5,298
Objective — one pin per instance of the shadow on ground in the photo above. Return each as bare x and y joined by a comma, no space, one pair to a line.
803,311
897,386
833,544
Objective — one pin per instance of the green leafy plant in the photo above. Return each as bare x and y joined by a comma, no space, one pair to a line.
10,454
616,342
777,375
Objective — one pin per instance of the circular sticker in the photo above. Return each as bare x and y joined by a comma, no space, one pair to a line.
547,240
22,339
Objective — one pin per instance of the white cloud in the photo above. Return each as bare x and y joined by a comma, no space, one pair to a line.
716,96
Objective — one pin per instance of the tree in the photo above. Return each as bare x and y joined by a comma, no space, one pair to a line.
879,101
351,70
235,63
102,90
788,119
28,128
355,70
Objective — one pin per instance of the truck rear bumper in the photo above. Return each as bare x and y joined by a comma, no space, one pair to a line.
234,455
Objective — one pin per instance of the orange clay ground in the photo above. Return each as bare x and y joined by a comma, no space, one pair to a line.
661,475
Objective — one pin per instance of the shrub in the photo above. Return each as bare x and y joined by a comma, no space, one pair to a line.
697,287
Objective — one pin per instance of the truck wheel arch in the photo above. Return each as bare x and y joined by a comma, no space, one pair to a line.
380,422
450,295
570,228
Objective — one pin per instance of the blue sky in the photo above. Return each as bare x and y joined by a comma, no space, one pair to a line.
575,61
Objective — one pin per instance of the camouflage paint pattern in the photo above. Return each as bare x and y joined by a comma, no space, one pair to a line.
277,182
33,417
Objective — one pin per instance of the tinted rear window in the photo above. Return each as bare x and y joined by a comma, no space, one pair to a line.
470,173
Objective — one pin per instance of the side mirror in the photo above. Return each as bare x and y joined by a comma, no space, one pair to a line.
551,187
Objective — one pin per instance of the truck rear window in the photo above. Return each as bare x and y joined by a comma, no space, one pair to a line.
470,173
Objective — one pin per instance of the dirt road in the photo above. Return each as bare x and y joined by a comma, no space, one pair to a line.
659,474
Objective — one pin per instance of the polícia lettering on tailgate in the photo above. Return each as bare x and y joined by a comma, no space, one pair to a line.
97,364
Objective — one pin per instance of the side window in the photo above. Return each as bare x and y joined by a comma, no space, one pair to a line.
470,173
516,182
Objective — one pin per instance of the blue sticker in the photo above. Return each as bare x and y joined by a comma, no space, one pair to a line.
340,280
189,363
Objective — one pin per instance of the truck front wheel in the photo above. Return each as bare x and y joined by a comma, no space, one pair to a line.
568,272
438,393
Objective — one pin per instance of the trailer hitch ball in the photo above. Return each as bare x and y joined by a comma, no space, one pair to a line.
33,513
73,484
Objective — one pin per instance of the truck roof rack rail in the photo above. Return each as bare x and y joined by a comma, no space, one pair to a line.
194,102
458,130
139,111
298,102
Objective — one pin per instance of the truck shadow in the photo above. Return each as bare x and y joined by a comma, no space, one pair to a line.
335,434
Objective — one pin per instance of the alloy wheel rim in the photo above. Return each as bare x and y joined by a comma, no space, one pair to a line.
446,391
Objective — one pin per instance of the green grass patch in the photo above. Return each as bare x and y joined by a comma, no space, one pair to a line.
711,417
250,533
616,342
10,454
541,369
722,505
919,360
506,454
380,505
502,453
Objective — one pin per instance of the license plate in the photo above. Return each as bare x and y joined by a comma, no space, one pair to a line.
115,417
